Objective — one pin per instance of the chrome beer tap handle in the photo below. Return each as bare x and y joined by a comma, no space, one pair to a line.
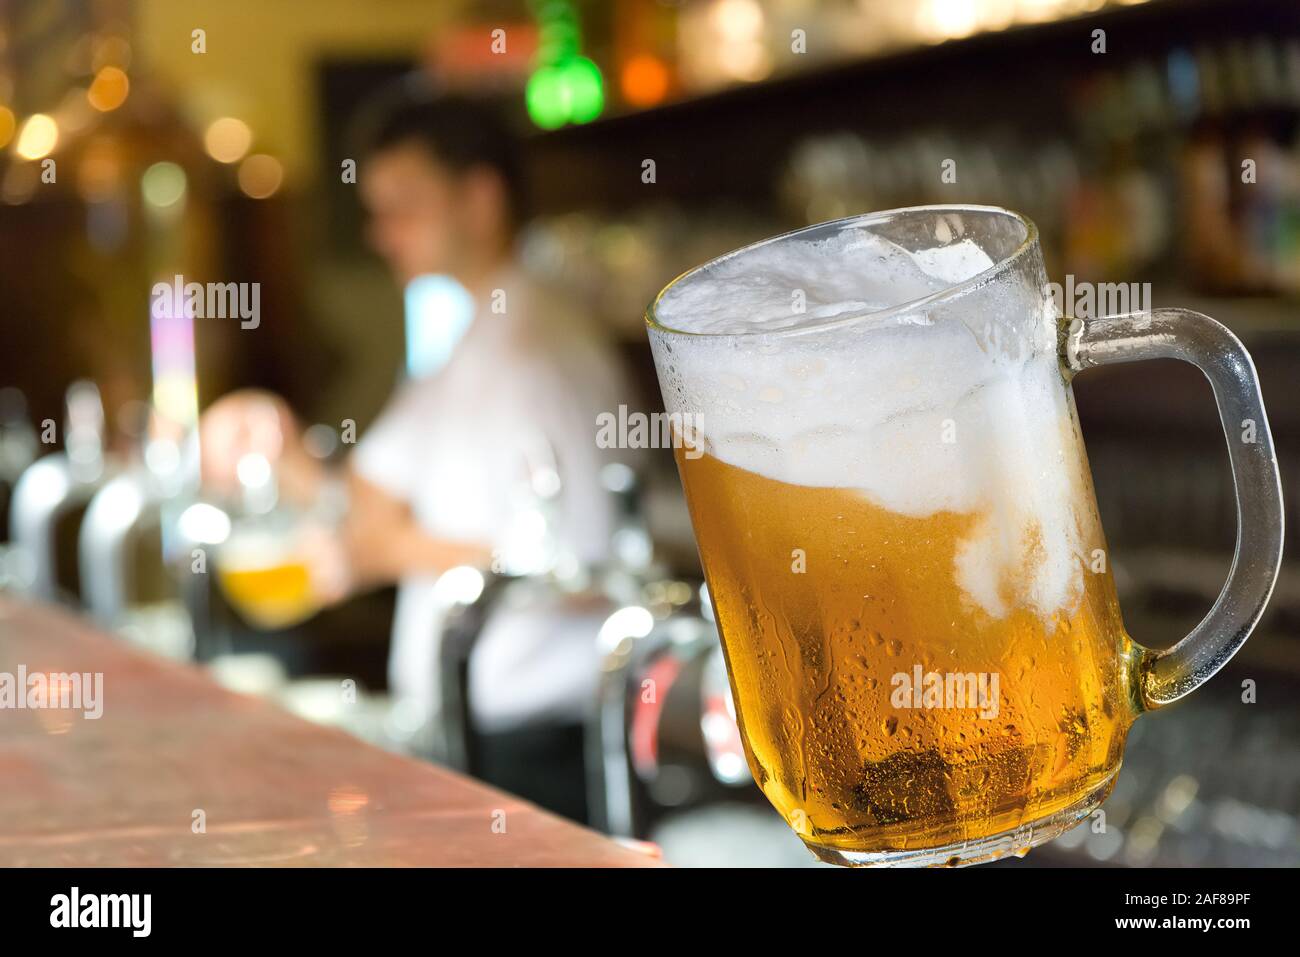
55,483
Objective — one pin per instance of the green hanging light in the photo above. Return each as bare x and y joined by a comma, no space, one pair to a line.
565,87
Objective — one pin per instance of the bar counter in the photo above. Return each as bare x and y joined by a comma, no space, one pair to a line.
173,751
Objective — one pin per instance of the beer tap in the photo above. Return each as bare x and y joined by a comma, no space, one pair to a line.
658,627
535,581
647,651
18,445
51,495
128,512
530,552
626,611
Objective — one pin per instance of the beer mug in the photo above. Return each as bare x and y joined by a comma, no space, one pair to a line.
880,452
266,575
280,561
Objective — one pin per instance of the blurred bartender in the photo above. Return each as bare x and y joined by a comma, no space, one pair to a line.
435,482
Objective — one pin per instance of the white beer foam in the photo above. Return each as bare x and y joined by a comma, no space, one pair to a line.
251,549
964,414
852,273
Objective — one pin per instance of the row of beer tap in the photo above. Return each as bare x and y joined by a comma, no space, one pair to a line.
116,536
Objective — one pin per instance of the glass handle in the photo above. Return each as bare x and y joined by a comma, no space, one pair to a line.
1166,676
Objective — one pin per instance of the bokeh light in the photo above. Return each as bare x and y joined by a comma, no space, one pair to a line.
569,91
163,185
109,89
39,136
260,176
228,139
645,80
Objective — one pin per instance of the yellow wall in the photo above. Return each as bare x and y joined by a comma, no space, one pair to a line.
261,54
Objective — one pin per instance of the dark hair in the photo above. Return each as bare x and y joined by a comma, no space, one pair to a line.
458,131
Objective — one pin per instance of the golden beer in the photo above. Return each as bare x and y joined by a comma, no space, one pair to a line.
270,596
267,577
813,654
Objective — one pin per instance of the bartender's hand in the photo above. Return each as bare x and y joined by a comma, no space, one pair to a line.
253,421
385,542
378,543
327,556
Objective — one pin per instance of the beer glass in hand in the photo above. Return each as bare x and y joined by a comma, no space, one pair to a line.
284,558
885,474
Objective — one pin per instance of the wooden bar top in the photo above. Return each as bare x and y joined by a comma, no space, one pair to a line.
126,789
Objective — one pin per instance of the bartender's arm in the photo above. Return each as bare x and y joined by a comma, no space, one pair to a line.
384,542
380,540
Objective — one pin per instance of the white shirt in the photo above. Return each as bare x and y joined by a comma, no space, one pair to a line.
456,446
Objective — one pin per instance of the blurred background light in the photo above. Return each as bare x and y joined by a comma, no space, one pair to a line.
109,89
570,91
39,136
227,140
644,80
163,184
205,524
949,19
260,176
